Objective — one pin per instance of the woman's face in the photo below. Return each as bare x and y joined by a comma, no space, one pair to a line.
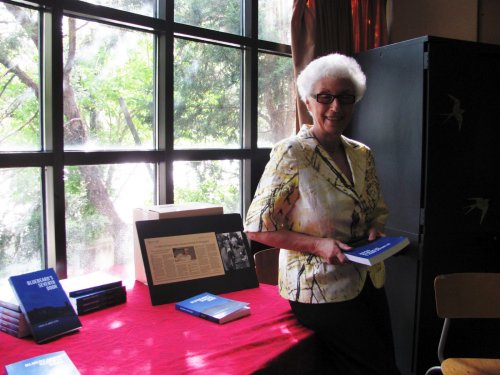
330,119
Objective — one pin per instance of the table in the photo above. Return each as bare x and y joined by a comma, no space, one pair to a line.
138,338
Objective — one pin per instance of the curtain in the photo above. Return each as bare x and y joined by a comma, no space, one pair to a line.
320,27
303,26
369,24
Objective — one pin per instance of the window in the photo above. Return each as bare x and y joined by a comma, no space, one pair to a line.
129,104
108,87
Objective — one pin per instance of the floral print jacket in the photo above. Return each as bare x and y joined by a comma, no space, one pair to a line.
302,190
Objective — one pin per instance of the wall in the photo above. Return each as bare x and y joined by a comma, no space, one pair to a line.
489,27
473,20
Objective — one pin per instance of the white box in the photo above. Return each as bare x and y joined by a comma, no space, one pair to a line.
166,211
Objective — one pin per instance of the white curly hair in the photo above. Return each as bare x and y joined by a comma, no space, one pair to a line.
333,65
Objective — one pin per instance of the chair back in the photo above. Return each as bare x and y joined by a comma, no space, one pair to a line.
468,295
266,266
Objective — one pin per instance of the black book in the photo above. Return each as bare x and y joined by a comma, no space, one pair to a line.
102,304
89,283
96,297
45,304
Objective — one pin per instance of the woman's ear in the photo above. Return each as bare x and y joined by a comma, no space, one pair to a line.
308,104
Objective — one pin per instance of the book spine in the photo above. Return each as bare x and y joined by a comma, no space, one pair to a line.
23,326
12,313
208,317
189,311
94,298
97,288
10,306
10,319
9,331
9,324
101,306
196,313
14,330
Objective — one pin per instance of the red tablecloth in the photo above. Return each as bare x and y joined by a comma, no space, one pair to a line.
138,338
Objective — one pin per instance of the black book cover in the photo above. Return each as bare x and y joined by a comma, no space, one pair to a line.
98,296
93,282
100,305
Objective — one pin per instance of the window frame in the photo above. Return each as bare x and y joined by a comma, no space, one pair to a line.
52,158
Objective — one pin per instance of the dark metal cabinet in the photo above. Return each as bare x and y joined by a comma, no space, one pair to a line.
431,115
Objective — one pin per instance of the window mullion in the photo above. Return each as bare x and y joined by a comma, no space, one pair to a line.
53,140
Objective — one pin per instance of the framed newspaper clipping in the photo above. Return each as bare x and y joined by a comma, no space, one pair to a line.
190,255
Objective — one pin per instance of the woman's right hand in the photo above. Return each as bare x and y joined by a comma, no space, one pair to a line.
331,250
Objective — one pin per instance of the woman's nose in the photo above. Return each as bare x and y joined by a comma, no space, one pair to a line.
335,103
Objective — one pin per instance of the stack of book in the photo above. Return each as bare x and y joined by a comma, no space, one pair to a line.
44,304
94,291
12,320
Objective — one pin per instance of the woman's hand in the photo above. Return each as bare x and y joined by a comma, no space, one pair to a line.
375,231
331,250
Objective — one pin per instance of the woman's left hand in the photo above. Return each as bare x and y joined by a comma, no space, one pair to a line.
375,231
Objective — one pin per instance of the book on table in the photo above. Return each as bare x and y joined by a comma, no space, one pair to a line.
55,363
12,320
94,291
373,252
214,308
99,300
45,304
89,283
12,324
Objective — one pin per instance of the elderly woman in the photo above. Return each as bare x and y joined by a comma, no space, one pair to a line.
318,193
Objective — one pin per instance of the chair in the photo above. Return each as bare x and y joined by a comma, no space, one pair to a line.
266,265
472,296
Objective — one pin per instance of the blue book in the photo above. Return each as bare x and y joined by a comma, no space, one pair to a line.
48,364
376,251
45,304
214,308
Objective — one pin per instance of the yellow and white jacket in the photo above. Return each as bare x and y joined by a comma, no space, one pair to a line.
302,190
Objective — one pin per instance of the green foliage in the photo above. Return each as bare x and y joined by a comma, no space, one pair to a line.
110,71
206,95
221,15
276,98
209,181
19,120
84,220
21,224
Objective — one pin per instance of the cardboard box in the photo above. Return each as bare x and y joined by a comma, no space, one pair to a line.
166,211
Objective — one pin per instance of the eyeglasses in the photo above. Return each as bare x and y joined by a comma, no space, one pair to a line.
329,98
